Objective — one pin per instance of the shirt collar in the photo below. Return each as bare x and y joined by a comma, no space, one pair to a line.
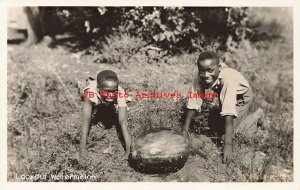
216,84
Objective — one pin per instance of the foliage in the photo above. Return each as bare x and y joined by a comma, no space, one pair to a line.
118,49
174,29
171,28
187,28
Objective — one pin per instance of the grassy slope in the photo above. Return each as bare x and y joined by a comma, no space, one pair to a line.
43,122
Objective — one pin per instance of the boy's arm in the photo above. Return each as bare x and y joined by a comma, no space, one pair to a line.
228,138
86,113
193,104
228,98
122,114
189,116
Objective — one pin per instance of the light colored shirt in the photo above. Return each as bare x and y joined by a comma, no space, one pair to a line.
228,85
96,99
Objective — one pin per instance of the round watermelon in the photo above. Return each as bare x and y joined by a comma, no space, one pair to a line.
159,150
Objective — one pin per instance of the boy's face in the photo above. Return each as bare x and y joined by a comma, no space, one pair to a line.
108,91
208,71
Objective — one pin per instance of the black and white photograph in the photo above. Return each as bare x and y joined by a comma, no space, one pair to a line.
150,94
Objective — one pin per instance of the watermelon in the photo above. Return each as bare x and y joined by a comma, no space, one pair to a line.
159,150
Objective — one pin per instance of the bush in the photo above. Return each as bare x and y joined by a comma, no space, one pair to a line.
186,28
174,29
118,49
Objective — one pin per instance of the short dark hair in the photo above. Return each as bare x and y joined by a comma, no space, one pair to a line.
107,75
208,55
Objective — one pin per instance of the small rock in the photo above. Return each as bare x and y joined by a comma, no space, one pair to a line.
254,161
108,150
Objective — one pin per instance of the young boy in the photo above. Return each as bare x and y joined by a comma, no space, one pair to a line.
235,97
105,95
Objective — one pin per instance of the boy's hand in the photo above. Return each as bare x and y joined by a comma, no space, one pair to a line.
82,153
227,153
185,133
125,155
187,123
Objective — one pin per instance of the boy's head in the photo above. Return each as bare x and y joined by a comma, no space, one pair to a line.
208,66
108,82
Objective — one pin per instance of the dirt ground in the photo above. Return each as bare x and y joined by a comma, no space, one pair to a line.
44,119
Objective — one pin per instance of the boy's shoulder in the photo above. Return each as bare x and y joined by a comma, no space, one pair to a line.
90,84
228,72
230,75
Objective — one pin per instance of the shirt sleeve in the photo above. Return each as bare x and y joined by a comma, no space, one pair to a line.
121,100
194,103
90,92
228,96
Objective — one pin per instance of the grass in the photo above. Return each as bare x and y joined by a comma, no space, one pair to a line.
43,124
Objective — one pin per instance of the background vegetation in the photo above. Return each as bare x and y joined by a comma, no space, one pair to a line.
150,48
